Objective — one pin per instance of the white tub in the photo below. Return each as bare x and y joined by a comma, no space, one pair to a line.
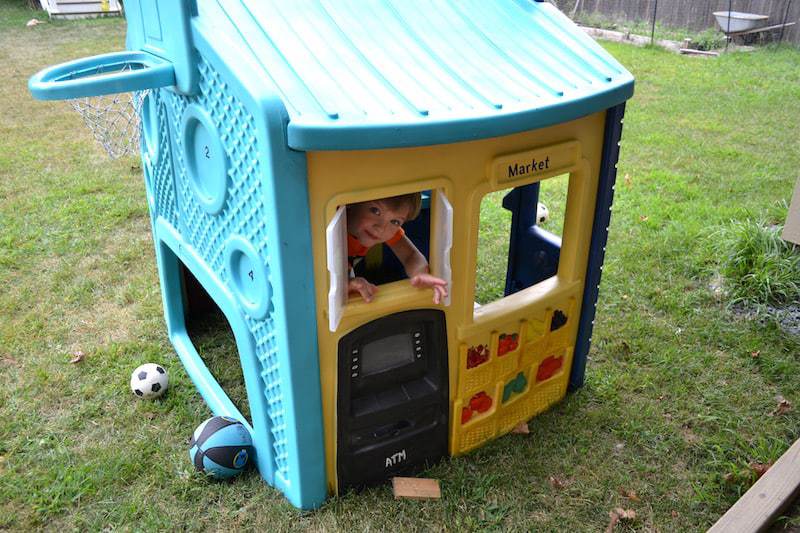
739,21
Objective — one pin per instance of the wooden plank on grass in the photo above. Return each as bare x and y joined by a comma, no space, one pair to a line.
416,488
692,51
760,505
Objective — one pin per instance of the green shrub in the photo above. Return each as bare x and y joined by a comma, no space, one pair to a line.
708,39
757,266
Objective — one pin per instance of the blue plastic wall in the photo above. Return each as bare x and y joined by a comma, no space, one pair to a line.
597,251
229,202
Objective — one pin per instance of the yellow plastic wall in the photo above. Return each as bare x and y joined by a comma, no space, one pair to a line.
466,172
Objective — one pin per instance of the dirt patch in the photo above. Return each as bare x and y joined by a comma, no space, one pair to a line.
787,318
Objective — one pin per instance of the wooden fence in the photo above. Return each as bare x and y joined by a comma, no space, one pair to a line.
695,15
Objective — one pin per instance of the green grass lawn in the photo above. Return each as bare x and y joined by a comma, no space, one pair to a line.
680,396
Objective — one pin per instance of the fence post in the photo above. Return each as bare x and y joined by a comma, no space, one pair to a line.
785,16
575,9
653,26
728,31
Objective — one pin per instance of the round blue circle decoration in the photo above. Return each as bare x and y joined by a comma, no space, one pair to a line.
206,160
249,274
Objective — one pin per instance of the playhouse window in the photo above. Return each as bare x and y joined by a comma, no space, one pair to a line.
519,237
380,265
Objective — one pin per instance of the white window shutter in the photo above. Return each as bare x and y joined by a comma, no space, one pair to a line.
336,237
444,240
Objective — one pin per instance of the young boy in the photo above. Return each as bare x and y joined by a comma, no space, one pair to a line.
379,221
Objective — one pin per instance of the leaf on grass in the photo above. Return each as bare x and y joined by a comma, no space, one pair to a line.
559,482
613,522
784,406
688,435
759,469
628,181
643,218
77,357
755,353
619,514
521,428
630,494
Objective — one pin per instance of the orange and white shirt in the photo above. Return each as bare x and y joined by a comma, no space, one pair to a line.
356,251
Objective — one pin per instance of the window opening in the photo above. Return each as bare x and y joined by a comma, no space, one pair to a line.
362,239
492,259
519,237
552,203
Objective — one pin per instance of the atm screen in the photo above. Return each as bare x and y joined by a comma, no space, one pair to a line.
387,353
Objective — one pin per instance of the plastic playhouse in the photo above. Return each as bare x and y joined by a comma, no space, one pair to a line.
261,121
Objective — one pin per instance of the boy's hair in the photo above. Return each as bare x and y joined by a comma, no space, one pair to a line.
411,200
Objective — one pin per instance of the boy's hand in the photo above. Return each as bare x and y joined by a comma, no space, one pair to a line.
438,285
363,287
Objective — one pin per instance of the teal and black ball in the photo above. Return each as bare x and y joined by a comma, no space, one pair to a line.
221,447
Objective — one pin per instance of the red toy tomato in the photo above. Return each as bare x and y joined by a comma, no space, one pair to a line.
502,346
507,343
549,367
481,402
513,342
485,404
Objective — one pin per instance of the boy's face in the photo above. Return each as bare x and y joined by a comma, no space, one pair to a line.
375,221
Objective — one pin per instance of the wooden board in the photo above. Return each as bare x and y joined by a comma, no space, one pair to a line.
760,505
791,231
416,488
692,51
760,29
80,8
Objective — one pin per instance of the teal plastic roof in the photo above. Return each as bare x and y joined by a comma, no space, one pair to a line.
359,74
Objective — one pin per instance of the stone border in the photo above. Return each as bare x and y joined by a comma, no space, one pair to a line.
641,40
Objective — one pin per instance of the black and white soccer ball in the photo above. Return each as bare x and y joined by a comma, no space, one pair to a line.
542,214
149,381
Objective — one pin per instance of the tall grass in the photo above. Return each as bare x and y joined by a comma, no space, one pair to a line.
757,265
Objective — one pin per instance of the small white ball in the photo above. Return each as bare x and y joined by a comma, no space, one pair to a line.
542,214
149,381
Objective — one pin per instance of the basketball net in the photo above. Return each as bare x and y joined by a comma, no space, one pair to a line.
113,120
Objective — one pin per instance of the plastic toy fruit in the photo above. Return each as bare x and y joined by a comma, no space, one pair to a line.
507,343
477,355
481,402
549,367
